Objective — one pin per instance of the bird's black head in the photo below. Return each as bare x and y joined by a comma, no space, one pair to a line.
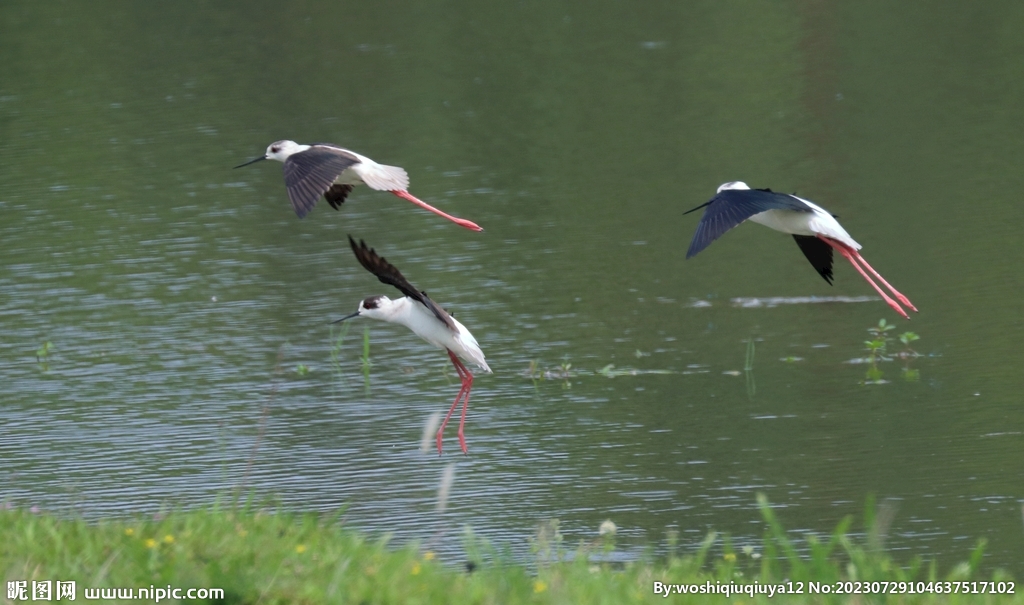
371,302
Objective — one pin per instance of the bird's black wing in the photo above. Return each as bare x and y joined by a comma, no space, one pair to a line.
310,173
818,252
389,274
733,206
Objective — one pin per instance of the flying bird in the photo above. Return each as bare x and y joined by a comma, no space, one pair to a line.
427,320
815,230
328,170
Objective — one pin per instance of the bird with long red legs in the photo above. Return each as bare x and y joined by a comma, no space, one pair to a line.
427,320
815,230
331,171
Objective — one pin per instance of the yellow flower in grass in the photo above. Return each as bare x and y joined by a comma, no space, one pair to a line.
301,548
539,586
150,543
429,555
416,569
730,557
129,532
168,539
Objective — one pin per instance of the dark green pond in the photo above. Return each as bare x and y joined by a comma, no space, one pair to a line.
182,297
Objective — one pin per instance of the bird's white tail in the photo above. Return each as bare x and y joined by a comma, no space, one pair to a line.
385,178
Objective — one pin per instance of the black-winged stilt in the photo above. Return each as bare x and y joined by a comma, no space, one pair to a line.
816,231
429,321
328,170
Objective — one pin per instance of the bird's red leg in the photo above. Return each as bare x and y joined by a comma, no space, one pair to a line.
849,255
405,195
467,381
467,384
899,297
440,431
863,261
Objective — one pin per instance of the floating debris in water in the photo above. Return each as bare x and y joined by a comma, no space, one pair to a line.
774,301
610,371
857,360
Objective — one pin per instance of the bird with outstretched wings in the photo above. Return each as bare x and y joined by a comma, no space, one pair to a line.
733,206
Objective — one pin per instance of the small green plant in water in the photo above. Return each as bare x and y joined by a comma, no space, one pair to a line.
907,355
302,369
876,348
43,355
43,352
533,372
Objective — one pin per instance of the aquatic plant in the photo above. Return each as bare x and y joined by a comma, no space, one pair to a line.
907,355
43,352
876,348
879,348
43,355
336,344
533,372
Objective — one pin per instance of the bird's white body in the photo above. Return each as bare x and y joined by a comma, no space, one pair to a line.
413,315
816,222
377,176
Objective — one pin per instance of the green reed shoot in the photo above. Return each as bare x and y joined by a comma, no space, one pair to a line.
908,354
336,343
43,355
748,369
876,348
43,352
366,356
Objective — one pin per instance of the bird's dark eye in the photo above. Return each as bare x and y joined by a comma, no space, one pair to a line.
273,150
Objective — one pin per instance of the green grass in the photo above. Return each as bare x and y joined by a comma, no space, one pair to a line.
257,556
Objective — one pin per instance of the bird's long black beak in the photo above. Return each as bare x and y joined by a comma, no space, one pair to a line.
262,157
356,314
688,211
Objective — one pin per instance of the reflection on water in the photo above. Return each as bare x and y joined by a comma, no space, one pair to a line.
182,299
